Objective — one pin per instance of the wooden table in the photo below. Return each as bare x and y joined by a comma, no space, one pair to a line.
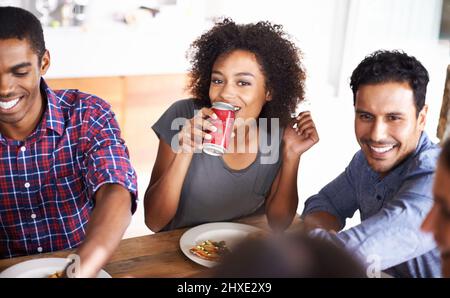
156,255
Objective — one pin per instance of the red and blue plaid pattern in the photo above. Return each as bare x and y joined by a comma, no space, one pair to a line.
47,181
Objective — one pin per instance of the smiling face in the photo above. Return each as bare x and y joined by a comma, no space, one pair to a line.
438,219
386,125
20,97
237,79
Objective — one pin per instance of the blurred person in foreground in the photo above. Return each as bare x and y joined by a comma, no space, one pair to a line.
438,219
294,255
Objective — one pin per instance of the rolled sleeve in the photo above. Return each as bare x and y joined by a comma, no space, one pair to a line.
107,157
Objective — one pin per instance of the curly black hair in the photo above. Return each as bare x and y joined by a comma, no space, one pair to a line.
277,56
392,66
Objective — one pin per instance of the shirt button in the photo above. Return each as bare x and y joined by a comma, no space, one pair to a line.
39,249
378,197
27,185
23,148
33,216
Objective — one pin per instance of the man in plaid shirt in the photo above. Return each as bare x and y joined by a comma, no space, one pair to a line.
62,161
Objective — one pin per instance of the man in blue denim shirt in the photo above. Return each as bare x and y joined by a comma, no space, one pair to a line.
390,179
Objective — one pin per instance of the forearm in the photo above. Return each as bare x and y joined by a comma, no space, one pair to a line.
393,234
282,205
162,198
322,220
108,222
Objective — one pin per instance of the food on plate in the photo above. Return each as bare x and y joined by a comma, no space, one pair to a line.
210,250
57,274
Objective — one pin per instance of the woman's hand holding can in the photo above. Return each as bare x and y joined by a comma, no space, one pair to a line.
196,130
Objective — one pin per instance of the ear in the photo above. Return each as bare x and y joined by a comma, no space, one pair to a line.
45,62
422,118
268,95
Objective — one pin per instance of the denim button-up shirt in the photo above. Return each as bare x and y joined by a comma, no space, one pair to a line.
392,209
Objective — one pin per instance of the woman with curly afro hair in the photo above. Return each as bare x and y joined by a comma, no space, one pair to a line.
255,68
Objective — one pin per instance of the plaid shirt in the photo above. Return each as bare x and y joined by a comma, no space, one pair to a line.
47,181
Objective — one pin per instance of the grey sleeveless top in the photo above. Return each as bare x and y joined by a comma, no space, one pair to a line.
211,190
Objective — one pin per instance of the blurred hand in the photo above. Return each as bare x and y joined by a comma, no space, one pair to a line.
299,135
195,131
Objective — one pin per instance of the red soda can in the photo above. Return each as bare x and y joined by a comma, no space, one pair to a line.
220,139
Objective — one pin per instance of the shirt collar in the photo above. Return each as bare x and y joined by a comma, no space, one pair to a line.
53,117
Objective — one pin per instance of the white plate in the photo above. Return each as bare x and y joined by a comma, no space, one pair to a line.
230,232
40,268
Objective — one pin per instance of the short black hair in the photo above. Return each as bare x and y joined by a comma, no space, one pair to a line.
392,66
21,24
278,57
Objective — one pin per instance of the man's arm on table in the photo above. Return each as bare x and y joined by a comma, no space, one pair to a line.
112,185
321,220
109,220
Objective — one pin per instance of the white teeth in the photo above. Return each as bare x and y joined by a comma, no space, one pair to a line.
9,104
382,149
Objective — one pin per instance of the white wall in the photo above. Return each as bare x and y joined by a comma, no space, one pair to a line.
314,25
409,25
